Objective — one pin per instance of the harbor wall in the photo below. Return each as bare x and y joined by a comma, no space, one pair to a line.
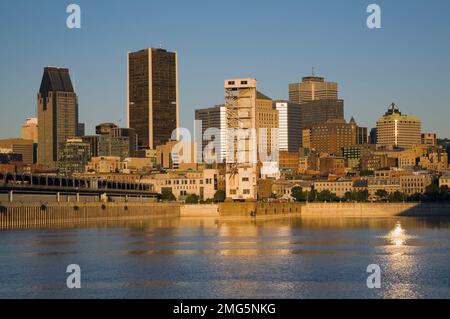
37,215
375,209
246,209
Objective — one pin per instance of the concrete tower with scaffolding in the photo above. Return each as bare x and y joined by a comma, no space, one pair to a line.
241,161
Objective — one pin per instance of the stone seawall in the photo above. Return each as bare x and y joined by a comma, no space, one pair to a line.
258,209
36,215
375,209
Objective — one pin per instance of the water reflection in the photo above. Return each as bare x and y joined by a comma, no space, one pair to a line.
397,236
232,258
401,269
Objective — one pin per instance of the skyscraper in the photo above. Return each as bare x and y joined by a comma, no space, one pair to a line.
213,119
152,91
312,88
395,130
290,123
318,101
57,114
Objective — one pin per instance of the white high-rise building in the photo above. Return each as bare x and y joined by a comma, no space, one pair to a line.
213,133
289,125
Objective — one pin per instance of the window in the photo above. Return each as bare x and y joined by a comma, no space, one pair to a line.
246,192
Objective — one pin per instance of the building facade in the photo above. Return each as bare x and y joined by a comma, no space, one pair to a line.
57,115
241,168
333,135
26,148
73,157
395,130
152,91
312,88
289,122
213,130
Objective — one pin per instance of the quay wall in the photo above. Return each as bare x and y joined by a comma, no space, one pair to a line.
375,209
38,215
245,209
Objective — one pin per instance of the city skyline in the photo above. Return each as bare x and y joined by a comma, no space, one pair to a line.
399,80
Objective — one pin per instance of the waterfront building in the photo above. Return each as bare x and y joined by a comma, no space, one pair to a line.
415,184
284,187
333,135
29,130
312,88
73,157
338,187
26,148
57,115
183,183
395,130
390,185
444,180
242,149
152,92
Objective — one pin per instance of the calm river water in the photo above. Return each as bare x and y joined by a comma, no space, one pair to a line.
193,258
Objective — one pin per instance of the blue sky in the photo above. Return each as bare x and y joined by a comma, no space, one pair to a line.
278,42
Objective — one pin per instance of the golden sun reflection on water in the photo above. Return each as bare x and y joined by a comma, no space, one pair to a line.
397,236
401,265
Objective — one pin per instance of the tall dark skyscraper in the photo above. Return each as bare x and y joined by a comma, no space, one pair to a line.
57,114
318,101
152,91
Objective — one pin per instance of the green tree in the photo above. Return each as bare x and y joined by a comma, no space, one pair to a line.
349,196
444,192
396,197
219,196
167,195
327,196
298,194
382,193
192,199
432,192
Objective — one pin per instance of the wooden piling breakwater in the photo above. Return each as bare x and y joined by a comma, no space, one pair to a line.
43,215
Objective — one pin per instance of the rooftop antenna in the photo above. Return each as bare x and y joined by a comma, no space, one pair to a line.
313,71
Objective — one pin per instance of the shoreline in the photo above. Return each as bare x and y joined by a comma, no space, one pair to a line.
37,215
